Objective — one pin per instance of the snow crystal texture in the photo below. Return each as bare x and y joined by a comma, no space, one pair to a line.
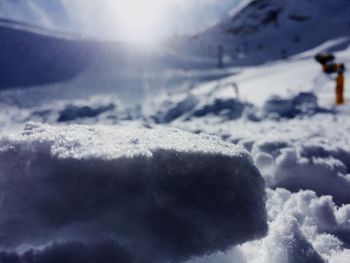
160,194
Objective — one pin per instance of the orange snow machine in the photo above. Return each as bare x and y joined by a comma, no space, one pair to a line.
330,67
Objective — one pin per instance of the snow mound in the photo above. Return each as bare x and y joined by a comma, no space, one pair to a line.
313,165
219,101
72,112
229,108
99,109
303,228
304,103
316,215
286,241
96,109
172,108
162,194
201,102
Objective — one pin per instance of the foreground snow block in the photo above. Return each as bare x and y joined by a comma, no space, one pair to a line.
161,194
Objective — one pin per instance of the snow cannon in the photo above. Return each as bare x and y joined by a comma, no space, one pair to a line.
330,67
324,58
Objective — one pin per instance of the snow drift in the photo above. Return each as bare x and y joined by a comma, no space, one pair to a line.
201,102
306,165
94,110
218,100
302,228
304,103
161,194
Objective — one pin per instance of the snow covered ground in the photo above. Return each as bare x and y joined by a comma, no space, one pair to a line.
190,188
299,141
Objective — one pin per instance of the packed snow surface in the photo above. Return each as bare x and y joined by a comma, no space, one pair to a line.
160,194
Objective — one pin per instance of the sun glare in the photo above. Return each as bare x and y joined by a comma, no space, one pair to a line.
141,20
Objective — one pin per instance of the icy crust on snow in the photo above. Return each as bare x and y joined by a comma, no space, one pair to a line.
160,194
106,143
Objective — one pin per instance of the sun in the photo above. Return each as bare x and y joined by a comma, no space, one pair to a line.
141,20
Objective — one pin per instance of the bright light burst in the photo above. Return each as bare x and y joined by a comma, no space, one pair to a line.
141,20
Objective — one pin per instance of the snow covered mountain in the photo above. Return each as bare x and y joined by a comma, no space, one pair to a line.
35,56
257,31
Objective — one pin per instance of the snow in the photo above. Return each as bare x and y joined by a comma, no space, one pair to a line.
162,194
302,229
198,103
73,112
182,177
311,152
218,102
300,143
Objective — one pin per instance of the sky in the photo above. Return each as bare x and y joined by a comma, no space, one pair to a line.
139,20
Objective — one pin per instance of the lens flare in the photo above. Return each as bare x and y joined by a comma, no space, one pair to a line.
141,20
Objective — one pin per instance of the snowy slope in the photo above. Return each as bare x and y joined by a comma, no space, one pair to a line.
300,73
258,31
34,56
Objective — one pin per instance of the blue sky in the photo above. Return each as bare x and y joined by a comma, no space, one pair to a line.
119,19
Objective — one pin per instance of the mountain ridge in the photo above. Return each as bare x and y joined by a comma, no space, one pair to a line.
258,31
